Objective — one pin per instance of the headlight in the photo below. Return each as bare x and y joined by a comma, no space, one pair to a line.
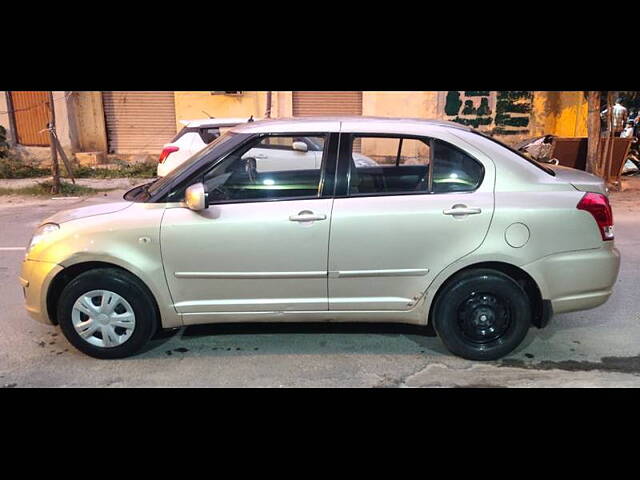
41,233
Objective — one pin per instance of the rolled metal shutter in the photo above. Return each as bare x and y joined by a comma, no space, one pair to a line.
139,122
310,104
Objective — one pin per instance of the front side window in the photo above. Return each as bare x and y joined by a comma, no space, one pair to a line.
386,165
272,167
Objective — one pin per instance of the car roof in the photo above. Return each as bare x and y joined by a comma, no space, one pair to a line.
214,122
336,124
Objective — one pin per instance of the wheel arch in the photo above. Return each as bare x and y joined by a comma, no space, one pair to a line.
541,312
68,274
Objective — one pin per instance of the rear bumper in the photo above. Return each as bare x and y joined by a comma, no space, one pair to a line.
163,170
577,280
35,279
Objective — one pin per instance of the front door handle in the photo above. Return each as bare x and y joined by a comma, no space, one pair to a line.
307,216
462,210
261,156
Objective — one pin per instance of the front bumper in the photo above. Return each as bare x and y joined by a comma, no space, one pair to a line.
35,279
577,280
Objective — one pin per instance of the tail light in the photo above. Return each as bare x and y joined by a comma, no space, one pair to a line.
598,206
166,151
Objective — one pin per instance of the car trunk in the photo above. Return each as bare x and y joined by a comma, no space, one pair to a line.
582,181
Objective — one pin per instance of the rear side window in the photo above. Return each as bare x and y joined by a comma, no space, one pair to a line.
454,170
388,165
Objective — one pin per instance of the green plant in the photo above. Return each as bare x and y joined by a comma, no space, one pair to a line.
43,189
137,170
13,167
4,146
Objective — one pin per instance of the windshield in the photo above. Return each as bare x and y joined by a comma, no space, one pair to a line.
161,182
520,154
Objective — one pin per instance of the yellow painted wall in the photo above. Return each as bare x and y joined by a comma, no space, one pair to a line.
192,105
559,113
400,104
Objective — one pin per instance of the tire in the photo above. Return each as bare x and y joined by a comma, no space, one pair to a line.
482,314
129,295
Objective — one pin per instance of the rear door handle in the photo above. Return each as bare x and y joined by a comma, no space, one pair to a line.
307,216
462,211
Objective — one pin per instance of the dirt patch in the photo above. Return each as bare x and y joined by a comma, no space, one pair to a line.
607,364
629,197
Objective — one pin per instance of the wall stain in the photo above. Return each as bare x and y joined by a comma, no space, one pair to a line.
512,115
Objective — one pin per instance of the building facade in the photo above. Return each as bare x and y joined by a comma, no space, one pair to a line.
140,122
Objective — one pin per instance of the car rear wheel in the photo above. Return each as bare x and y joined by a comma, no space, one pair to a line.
482,314
106,313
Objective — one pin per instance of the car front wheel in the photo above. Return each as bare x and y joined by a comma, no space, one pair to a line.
106,313
482,314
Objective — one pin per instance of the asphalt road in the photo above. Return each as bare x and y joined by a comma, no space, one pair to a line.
596,348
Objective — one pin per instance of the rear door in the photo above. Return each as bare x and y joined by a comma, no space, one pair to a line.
395,226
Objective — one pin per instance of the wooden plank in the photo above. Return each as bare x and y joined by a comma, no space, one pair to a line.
31,115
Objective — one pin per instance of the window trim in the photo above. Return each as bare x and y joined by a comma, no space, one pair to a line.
343,189
327,167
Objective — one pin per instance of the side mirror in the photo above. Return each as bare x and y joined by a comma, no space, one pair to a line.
196,197
300,147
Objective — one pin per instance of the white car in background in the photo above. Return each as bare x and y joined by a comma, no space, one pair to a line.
194,136
305,151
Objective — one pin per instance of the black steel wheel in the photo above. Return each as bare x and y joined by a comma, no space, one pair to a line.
482,314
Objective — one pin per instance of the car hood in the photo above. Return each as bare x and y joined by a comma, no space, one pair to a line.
583,181
83,212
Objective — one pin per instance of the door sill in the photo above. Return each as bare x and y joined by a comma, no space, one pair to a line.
414,316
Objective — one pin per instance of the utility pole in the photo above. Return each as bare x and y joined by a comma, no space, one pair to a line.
608,153
55,169
593,125
268,112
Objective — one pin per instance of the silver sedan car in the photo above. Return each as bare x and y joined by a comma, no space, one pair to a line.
443,227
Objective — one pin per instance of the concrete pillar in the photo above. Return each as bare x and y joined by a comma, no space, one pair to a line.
5,117
65,124
87,113
282,104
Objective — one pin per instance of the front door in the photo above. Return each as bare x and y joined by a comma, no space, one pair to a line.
424,206
261,245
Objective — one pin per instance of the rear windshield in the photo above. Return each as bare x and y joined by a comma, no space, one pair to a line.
207,134
161,182
520,154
